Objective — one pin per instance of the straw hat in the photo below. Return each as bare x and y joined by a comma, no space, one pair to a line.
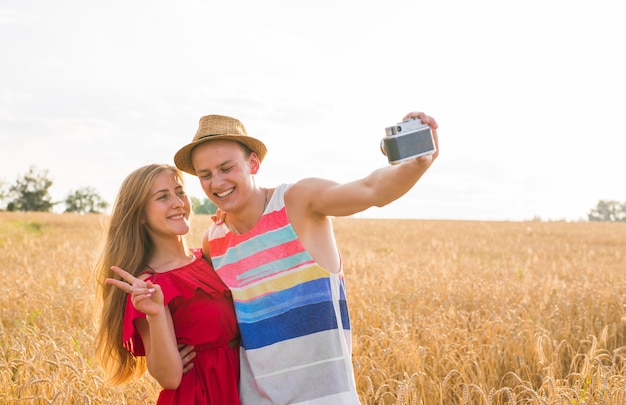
212,128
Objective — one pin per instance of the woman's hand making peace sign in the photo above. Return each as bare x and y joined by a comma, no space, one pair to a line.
145,296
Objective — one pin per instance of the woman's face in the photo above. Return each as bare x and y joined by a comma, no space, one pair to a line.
167,209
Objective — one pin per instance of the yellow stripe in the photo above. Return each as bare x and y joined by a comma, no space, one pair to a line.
284,281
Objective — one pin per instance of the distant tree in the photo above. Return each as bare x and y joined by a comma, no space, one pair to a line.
610,211
4,193
205,206
85,200
30,192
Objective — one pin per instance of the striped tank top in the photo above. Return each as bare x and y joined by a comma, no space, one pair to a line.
292,314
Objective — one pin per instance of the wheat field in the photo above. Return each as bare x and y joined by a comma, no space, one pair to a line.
443,312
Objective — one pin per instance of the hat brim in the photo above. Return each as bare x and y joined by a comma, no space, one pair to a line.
182,158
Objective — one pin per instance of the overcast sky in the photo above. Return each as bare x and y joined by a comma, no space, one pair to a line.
529,96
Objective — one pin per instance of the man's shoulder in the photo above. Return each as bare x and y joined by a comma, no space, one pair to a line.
309,185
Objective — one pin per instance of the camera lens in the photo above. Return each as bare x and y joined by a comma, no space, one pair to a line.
398,129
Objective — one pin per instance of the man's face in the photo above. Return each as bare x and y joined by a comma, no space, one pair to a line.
225,173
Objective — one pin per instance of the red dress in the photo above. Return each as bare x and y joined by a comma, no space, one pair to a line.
203,315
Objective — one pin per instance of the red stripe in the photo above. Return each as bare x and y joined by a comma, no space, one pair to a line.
232,273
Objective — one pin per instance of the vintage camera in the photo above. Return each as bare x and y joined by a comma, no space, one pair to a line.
407,140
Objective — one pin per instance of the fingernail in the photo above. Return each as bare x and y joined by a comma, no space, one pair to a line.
150,290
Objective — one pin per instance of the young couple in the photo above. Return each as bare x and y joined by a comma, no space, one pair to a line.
261,308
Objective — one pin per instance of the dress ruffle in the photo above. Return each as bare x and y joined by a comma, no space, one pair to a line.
182,282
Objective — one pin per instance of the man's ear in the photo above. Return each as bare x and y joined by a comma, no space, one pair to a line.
255,164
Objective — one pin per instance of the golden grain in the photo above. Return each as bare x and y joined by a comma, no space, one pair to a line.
443,312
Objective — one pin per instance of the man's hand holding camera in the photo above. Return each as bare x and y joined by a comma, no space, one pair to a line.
414,137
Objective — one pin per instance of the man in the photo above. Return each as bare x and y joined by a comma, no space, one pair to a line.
276,251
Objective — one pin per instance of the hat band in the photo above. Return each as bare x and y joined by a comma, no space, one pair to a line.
208,136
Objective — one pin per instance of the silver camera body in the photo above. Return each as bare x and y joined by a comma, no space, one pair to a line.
407,140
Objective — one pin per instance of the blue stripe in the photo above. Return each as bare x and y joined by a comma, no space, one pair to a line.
276,303
295,323
345,316
342,289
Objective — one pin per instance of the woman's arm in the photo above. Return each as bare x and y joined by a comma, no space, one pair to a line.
162,356
156,330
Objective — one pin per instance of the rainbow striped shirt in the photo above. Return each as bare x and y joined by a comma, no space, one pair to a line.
292,314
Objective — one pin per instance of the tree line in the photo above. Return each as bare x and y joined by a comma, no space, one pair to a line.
607,210
30,192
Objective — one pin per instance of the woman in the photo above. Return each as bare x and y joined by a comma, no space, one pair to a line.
167,296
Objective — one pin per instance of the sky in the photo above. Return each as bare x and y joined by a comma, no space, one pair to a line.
529,96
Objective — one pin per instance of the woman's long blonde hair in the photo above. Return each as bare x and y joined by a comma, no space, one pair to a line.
128,246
